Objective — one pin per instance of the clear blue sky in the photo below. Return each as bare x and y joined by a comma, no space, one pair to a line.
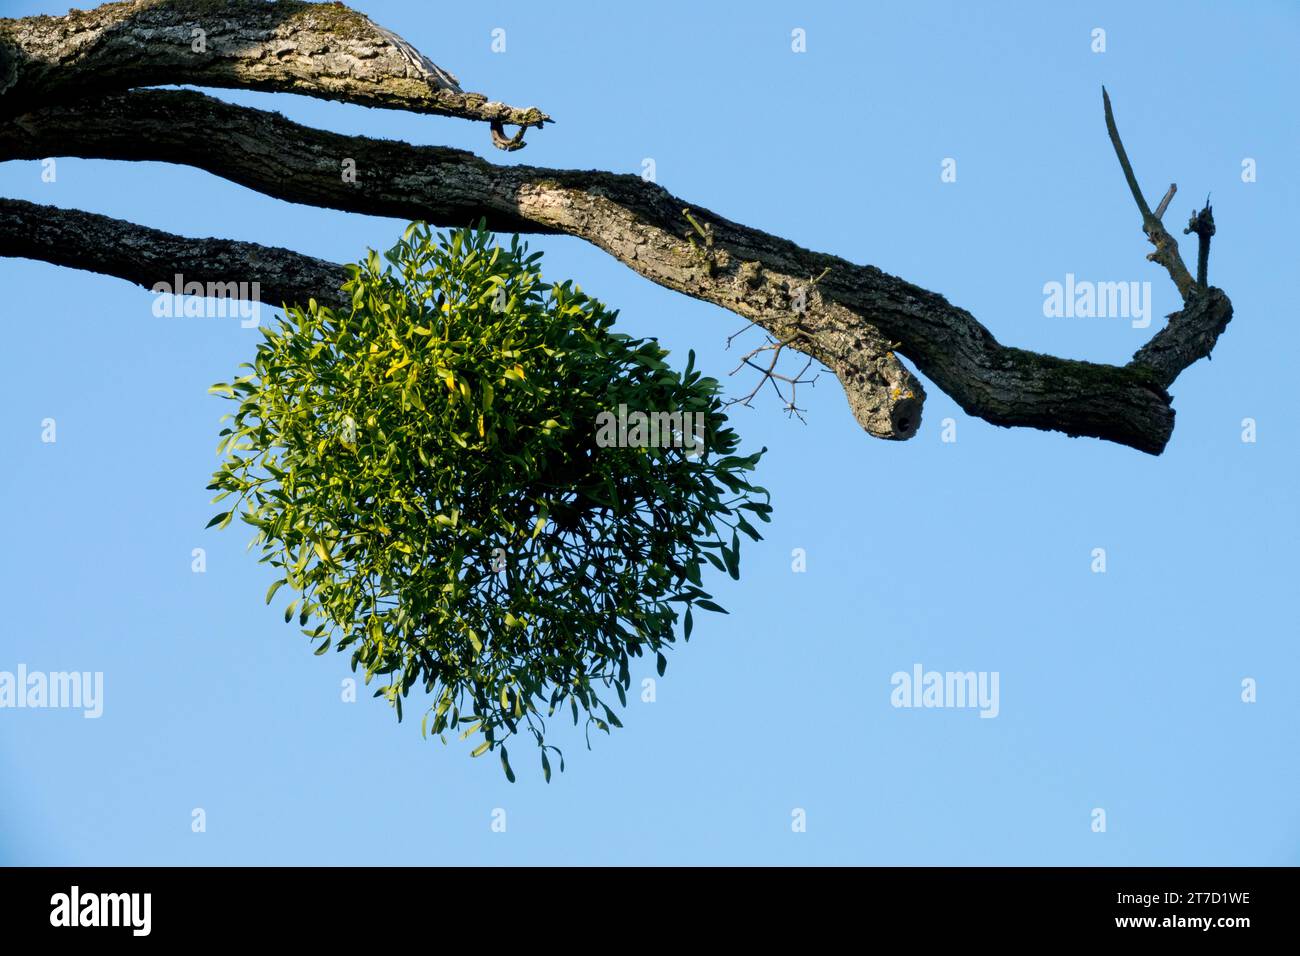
1118,690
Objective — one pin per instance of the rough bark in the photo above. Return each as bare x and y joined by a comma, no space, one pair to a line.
751,273
855,319
83,240
316,49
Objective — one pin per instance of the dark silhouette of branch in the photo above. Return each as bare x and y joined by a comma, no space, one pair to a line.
1191,332
83,240
1202,223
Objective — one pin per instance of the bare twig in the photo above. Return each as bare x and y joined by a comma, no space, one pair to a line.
1164,203
1202,223
770,375
1192,332
1166,253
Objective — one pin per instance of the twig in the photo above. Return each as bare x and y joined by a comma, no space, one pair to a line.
1166,253
1123,158
1164,203
770,375
1202,223
735,335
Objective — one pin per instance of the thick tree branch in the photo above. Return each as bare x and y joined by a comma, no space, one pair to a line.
850,317
1188,337
317,49
82,240
758,276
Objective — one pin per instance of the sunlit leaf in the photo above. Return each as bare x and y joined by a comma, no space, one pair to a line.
481,533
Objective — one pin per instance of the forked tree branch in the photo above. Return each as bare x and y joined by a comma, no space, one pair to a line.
1166,252
1191,333
855,319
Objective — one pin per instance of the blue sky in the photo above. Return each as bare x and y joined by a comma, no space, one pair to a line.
1119,691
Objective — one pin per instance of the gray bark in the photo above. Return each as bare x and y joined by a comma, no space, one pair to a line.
855,319
316,49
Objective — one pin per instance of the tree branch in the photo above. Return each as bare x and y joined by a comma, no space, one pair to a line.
1166,245
851,318
1189,336
82,240
1192,332
753,274
316,49
1202,223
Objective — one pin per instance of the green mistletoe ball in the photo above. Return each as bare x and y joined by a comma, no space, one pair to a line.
477,488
